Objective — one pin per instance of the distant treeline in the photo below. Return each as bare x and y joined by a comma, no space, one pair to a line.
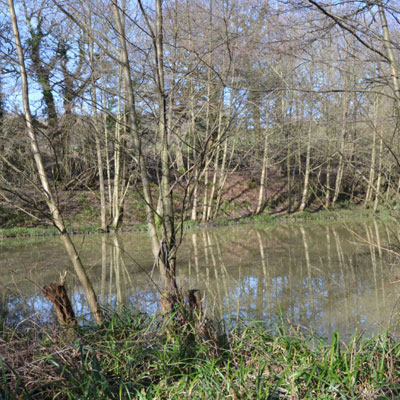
302,101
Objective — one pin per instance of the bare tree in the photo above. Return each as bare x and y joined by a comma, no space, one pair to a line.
45,186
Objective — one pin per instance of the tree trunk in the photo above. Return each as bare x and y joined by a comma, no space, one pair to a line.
216,162
264,168
340,168
371,179
133,125
100,167
304,197
379,179
57,294
48,194
168,251
390,53
222,179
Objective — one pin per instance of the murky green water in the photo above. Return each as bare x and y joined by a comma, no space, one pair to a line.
322,276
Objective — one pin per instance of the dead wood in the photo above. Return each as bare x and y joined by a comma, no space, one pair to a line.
56,292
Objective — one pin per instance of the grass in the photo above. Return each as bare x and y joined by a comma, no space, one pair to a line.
25,231
137,356
80,225
50,231
319,216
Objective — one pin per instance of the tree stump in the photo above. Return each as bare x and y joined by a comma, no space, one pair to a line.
57,293
167,302
194,301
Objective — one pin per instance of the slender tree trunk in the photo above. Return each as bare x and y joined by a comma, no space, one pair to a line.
193,216
100,167
205,194
196,174
117,168
48,194
216,161
169,259
340,168
133,125
208,119
264,168
304,197
222,179
390,53
224,175
328,184
379,178
106,145
288,155
371,179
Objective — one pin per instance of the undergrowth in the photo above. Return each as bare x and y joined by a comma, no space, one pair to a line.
80,227
136,356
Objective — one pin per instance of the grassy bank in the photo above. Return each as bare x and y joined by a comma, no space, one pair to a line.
324,215
135,356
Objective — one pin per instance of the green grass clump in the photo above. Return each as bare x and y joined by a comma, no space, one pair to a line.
25,231
267,218
51,231
135,356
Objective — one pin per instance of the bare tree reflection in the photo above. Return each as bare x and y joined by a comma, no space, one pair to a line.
319,276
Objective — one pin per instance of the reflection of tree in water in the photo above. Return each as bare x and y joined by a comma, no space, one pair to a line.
317,282
19,307
317,275
110,271
129,281
3,305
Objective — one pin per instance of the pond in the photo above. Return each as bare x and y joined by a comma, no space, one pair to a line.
324,276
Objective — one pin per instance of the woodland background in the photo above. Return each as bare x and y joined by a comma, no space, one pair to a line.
266,106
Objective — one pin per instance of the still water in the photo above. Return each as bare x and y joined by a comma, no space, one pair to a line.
325,276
